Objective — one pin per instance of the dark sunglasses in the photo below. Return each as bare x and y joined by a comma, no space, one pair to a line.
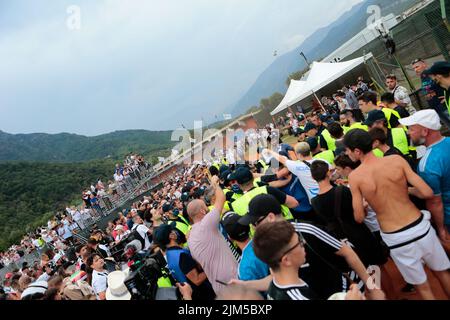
301,243
259,221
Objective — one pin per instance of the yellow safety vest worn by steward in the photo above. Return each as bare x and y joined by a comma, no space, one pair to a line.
184,227
331,142
264,165
378,153
358,125
400,140
240,206
346,129
447,102
388,114
326,155
164,282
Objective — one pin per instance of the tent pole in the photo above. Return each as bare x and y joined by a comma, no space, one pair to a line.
320,102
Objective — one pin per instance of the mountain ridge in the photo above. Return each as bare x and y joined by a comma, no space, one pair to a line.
318,45
70,147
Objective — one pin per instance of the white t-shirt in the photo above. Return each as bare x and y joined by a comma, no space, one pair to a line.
303,172
143,231
99,282
76,215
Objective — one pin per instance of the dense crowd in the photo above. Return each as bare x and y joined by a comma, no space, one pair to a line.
319,220
97,201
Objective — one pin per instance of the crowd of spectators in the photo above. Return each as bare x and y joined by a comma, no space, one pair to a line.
365,187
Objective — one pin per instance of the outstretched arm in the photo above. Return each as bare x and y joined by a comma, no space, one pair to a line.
280,159
357,200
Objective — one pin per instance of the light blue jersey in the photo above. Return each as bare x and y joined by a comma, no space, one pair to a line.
434,168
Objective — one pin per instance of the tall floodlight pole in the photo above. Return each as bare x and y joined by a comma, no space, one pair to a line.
315,95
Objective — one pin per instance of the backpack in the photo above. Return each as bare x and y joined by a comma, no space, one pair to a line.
135,235
77,290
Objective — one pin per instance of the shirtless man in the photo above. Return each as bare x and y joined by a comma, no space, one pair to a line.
407,231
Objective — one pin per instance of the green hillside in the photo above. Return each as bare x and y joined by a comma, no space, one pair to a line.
66,147
30,193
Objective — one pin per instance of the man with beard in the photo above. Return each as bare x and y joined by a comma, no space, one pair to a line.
432,91
434,167
400,93
383,183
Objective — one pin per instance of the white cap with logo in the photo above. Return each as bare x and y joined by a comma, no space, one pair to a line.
425,118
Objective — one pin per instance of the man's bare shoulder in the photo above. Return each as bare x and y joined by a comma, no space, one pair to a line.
393,160
356,175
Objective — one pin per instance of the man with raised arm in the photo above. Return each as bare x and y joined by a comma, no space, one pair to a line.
383,183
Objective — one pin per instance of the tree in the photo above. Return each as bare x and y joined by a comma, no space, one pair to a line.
296,75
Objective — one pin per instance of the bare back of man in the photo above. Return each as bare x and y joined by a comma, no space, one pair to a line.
384,184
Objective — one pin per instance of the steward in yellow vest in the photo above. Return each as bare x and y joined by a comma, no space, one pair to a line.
173,215
326,155
395,138
245,179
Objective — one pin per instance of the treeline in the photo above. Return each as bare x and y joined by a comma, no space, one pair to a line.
31,192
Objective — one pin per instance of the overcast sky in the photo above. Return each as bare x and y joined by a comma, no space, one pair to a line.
140,64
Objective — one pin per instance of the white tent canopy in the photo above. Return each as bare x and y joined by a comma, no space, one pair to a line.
295,89
321,75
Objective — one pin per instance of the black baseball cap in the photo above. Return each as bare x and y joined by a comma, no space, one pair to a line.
259,207
313,143
242,175
184,196
441,67
373,116
234,229
223,168
309,126
225,175
161,234
167,207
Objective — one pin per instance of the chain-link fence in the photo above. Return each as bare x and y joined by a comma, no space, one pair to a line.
423,35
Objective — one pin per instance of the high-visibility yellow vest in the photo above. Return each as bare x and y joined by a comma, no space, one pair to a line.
346,129
358,125
240,206
331,142
256,181
164,282
183,227
400,140
388,114
378,153
264,165
326,155
224,162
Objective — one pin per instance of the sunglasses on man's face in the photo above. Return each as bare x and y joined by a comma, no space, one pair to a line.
259,221
301,243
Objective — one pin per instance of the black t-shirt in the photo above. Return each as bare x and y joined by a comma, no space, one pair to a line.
202,292
279,195
323,142
323,269
394,121
345,227
294,292
402,112
269,178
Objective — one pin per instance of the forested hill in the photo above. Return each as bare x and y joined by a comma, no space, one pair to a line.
30,193
65,147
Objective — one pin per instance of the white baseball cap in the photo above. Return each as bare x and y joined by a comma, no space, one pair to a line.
425,118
